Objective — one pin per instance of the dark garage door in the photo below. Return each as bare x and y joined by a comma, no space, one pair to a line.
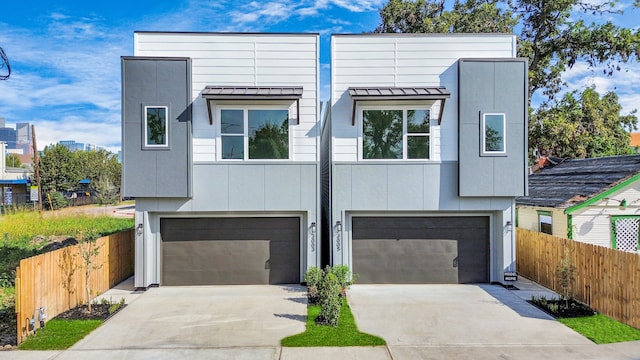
209,251
421,250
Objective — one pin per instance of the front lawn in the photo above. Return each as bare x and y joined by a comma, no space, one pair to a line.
345,334
601,329
59,334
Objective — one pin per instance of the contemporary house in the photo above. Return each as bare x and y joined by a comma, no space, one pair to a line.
596,201
424,152
14,182
221,142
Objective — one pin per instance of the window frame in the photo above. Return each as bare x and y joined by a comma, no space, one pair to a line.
245,108
545,213
405,134
145,144
483,135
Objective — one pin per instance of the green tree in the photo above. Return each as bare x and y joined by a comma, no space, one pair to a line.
582,125
13,160
58,170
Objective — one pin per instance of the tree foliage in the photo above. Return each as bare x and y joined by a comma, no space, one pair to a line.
553,36
582,125
61,170
13,160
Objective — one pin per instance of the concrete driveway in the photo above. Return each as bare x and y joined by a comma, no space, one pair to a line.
203,317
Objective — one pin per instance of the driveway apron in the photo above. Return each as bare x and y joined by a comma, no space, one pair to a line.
454,315
203,317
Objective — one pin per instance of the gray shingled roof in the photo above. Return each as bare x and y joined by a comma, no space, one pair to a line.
231,92
574,181
400,92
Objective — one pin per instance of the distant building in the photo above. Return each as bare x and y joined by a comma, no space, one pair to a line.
72,145
24,139
8,136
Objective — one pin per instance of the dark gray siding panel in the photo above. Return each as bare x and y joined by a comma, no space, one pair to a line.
156,172
492,86
209,251
410,250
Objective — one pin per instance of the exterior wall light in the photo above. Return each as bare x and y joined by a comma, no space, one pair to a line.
139,229
313,228
623,204
509,225
339,225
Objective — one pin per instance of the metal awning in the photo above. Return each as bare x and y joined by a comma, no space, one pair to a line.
213,93
398,94
14,181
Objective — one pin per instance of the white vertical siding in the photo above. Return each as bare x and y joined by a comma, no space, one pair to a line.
593,223
404,60
245,60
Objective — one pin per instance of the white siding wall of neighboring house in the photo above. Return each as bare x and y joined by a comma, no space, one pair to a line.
528,219
405,61
592,224
245,60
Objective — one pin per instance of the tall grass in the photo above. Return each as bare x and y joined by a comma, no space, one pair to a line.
19,229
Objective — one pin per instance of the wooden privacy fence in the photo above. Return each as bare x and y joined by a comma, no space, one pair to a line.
55,280
606,279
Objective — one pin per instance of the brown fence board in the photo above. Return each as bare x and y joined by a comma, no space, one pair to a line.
40,280
606,279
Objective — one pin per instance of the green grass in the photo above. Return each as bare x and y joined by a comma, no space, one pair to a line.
59,334
346,334
601,329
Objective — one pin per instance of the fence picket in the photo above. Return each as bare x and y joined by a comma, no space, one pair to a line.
39,279
606,279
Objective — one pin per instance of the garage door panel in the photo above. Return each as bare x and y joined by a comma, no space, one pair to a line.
385,261
202,251
421,249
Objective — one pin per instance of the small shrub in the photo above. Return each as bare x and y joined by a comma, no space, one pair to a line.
57,201
313,276
116,306
565,276
344,276
330,301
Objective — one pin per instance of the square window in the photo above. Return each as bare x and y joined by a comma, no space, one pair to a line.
252,133
396,134
493,134
545,222
156,127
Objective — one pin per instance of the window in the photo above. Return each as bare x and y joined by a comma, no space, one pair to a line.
247,134
545,222
156,126
493,134
396,134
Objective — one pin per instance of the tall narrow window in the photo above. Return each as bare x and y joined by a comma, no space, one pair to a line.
418,134
493,134
232,134
156,127
545,222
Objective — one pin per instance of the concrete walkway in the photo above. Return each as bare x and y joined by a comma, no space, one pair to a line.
500,325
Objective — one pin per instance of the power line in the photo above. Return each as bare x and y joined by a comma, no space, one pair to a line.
4,62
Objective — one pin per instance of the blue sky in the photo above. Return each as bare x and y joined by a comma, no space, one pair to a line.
65,56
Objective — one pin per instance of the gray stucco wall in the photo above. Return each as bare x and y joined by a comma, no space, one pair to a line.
163,172
246,187
498,86
403,187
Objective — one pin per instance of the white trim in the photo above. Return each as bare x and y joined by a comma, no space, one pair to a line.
166,127
245,109
483,139
404,108
304,221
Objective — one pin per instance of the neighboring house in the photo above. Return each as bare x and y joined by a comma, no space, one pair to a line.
424,151
596,201
221,142
634,141
14,182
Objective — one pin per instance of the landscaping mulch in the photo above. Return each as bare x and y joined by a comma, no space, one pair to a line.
562,308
